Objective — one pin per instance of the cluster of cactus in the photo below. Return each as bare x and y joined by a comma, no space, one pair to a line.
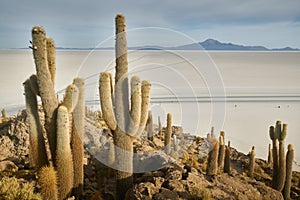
282,164
125,123
63,124
219,154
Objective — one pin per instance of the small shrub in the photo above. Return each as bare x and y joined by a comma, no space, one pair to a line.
11,189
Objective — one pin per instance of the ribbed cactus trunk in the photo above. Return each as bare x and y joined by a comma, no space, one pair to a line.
37,156
212,160
168,134
159,127
227,161
281,132
46,87
3,112
150,126
77,138
251,162
64,160
48,183
221,154
289,171
274,139
124,123
270,155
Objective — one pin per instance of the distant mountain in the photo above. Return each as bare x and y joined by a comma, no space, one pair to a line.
211,44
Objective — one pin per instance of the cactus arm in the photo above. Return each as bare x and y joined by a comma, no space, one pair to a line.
46,88
136,103
106,100
252,162
71,97
51,58
38,155
146,87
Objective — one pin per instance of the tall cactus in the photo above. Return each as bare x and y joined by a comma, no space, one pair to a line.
289,170
150,126
38,155
64,160
48,183
46,87
221,154
227,162
168,134
281,131
212,160
77,137
274,139
159,127
252,162
3,113
123,122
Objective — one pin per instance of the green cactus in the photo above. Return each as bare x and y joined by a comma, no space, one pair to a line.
289,171
270,155
251,162
221,154
227,162
38,156
47,180
46,87
168,134
77,138
274,139
212,160
124,123
150,126
64,161
281,132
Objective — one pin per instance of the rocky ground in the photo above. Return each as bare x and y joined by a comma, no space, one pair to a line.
179,176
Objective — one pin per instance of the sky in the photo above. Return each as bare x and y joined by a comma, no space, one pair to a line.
86,23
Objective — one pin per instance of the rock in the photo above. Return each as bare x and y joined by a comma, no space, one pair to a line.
142,191
166,194
8,166
174,175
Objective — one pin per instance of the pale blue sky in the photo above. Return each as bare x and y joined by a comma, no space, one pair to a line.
85,23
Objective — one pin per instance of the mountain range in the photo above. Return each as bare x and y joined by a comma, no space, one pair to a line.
209,44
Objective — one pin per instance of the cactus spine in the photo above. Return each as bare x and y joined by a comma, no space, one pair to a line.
168,134
281,132
252,162
289,170
38,155
221,154
77,138
48,183
46,87
274,139
227,159
212,160
64,160
124,124
150,126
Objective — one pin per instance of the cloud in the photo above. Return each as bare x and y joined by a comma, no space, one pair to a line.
82,22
